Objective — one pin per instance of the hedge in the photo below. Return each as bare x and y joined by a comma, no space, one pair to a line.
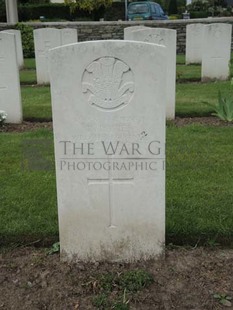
199,14
55,11
27,40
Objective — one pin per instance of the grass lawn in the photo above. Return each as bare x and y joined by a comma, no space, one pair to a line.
199,187
29,64
189,99
199,183
188,73
189,96
36,103
199,169
28,74
28,198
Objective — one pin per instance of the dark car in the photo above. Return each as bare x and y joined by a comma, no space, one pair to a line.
145,10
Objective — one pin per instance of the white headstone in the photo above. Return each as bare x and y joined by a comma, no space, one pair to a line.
166,37
194,43
19,47
10,97
44,40
216,52
109,128
69,36
128,30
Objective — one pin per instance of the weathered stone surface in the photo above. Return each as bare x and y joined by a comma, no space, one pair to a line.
216,52
44,40
166,37
128,30
109,129
10,97
19,47
68,36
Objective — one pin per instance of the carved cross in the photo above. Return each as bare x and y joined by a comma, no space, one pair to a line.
111,182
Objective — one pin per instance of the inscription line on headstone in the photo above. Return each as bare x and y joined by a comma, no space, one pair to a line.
217,57
111,182
115,158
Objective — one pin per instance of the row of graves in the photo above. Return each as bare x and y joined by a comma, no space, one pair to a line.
110,102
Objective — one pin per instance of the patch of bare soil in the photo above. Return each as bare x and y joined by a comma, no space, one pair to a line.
179,122
25,126
185,279
209,121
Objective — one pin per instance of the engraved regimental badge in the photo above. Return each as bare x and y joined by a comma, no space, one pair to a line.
155,38
108,83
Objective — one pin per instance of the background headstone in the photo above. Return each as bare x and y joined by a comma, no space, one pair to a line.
19,47
10,97
44,40
108,103
194,43
166,37
216,52
69,36
128,30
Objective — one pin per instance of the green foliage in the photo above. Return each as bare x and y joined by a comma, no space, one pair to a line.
172,7
224,108
54,249
57,12
32,1
27,39
131,281
135,280
207,8
224,299
49,10
198,5
101,301
178,6
113,288
198,14
121,305
89,5
2,11
115,12
181,6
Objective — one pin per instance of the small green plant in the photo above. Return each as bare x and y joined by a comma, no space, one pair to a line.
3,117
54,249
100,301
224,299
115,290
224,108
135,280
